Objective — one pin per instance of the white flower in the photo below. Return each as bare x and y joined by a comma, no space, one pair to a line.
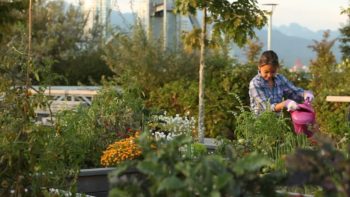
174,125
241,141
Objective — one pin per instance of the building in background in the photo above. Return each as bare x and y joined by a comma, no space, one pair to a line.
97,12
162,24
157,17
160,21
299,67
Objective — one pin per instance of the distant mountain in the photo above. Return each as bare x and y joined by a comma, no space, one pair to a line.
294,29
292,47
122,20
289,41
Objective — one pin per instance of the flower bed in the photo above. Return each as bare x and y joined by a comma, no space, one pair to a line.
121,150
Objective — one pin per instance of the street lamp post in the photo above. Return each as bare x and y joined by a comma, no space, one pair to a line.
269,14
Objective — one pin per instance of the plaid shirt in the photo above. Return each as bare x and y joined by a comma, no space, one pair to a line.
263,98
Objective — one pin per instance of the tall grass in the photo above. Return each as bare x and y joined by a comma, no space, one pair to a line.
268,133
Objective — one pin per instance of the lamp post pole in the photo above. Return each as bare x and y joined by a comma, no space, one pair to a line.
269,30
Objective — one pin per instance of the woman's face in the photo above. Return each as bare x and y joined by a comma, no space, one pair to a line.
267,72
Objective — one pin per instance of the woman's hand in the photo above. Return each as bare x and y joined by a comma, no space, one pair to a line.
308,96
291,105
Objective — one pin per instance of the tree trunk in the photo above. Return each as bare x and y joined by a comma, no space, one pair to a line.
201,112
29,44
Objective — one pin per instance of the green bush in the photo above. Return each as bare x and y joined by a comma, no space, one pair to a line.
33,156
329,78
223,79
109,118
177,97
268,134
166,170
324,167
138,62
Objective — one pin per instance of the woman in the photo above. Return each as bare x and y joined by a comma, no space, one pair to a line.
269,90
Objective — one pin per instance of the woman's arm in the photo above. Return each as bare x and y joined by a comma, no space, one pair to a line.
291,91
280,106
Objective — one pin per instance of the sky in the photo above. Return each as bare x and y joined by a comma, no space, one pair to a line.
313,14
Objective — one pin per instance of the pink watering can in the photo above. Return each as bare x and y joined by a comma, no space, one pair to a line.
302,118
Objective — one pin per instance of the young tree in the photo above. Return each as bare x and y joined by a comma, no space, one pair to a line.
322,68
345,35
236,20
11,12
59,40
329,78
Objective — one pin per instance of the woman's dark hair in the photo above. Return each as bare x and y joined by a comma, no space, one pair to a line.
269,58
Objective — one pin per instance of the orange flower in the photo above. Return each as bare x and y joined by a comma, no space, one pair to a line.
121,150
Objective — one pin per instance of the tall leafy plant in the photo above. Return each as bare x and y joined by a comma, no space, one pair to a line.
142,63
25,159
235,20
345,35
110,117
268,134
331,116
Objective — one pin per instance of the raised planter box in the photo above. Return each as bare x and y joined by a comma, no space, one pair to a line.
94,181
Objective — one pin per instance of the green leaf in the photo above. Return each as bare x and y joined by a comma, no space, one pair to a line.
148,167
222,180
36,75
215,194
250,163
118,192
170,183
119,170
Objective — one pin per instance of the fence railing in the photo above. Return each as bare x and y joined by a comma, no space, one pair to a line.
64,98
70,93
341,99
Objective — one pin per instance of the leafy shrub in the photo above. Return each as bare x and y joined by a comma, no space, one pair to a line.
163,128
335,80
139,62
268,134
166,171
333,116
108,118
176,97
324,167
32,156
223,77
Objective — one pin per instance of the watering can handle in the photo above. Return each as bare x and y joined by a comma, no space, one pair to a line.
307,101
